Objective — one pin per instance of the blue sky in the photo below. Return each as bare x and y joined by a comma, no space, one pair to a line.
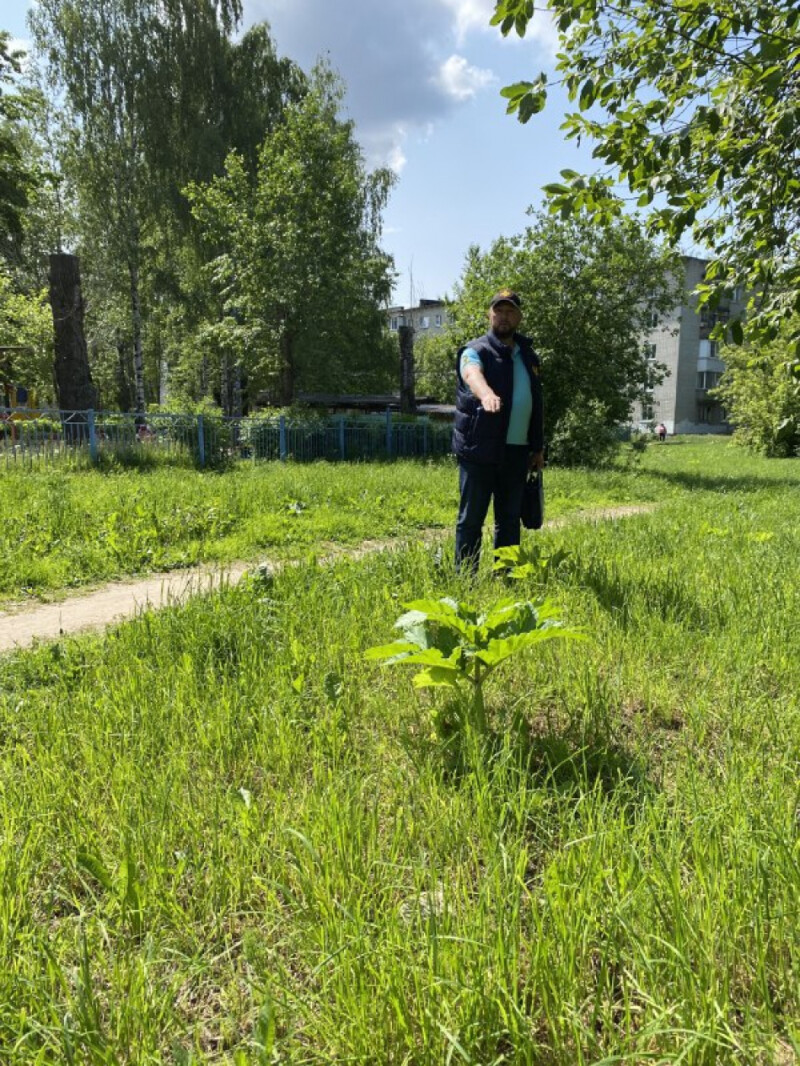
423,86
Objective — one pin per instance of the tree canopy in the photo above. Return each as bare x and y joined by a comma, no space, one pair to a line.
16,176
695,105
300,272
26,339
227,227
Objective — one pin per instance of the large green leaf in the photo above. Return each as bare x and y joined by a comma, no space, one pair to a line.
393,653
508,618
498,650
435,657
438,675
413,625
447,613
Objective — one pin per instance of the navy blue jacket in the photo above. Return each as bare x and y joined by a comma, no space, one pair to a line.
479,436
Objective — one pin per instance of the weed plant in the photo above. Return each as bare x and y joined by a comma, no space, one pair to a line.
226,838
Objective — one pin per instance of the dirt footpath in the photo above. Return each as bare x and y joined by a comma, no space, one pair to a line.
121,600
111,603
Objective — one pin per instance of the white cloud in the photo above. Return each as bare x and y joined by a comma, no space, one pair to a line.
396,159
384,146
460,80
470,15
393,58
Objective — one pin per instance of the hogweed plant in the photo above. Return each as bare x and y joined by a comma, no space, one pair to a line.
529,562
459,647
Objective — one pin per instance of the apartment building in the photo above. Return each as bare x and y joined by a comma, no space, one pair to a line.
682,343
427,317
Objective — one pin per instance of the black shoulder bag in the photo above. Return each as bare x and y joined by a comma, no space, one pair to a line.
533,501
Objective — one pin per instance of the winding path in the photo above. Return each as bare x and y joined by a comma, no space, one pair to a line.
121,600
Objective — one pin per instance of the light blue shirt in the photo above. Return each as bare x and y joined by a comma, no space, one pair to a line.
521,400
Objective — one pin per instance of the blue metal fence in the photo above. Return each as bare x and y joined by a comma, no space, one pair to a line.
83,438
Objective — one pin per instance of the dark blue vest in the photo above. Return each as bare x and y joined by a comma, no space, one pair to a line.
478,436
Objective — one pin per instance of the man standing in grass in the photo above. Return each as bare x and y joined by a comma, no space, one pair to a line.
498,434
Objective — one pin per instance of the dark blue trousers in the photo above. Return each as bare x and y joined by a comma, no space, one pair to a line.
479,483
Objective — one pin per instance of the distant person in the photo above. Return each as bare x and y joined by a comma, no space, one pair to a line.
498,434
661,431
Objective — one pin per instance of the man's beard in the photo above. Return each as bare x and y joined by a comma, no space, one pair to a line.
505,335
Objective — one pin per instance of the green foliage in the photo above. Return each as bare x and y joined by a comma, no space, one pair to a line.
151,96
457,644
589,294
16,178
529,562
26,323
301,277
694,106
585,436
762,401
136,81
434,366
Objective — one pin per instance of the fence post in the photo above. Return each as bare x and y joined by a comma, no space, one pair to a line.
341,437
425,439
92,436
282,449
388,432
201,441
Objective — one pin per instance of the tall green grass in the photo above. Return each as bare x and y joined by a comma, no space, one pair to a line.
67,528
227,838
70,528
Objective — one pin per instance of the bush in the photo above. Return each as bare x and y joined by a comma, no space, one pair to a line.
435,363
762,398
584,437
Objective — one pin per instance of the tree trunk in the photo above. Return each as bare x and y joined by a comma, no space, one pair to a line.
136,324
286,386
123,374
236,390
407,399
225,386
74,387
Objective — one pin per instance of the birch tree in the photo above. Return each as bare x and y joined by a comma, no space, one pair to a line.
131,71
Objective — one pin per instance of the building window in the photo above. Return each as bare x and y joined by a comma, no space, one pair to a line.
393,323
438,320
424,322
711,414
648,408
708,379
650,352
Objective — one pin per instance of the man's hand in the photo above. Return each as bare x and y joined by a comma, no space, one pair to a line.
536,461
479,387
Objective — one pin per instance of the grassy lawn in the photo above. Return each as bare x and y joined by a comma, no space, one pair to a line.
227,838
65,529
